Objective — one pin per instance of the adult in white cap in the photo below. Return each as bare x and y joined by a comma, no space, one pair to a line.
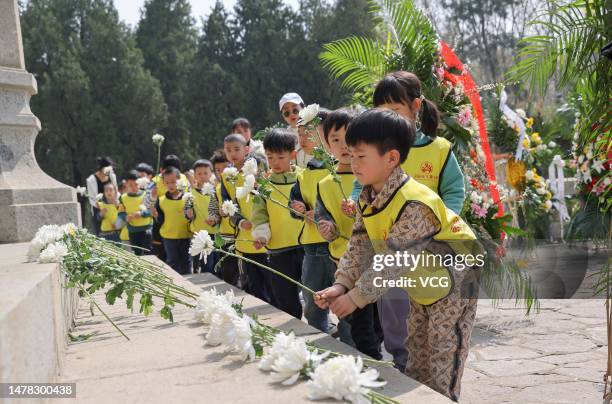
290,105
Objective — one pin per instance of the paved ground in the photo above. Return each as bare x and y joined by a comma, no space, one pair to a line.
556,356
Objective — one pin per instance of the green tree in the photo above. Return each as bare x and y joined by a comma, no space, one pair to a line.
95,97
167,36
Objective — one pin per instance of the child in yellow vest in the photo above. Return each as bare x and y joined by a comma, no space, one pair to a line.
317,268
273,226
364,327
431,162
137,216
108,213
400,217
174,226
196,209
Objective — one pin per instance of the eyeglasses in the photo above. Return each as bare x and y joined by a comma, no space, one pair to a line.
294,111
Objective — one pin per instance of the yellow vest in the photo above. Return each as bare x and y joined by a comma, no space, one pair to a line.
425,163
283,227
109,219
200,209
176,225
131,204
183,184
225,226
307,180
454,231
331,197
124,235
246,247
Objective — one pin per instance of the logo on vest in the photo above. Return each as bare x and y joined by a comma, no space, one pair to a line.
456,225
426,167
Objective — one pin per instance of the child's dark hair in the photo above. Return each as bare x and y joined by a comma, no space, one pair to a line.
218,157
384,129
145,168
171,170
132,175
337,119
171,160
242,122
280,140
103,162
202,163
235,138
404,87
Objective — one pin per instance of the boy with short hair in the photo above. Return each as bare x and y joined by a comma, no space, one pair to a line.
242,126
273,226
317,268
174,227
196,208
398,214
133,211
336,227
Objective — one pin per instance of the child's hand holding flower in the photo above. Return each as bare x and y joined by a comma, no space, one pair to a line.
327,230
326,296
246,225
349,207
342,306
298,206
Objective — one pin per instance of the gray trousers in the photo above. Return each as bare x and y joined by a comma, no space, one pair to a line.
393,312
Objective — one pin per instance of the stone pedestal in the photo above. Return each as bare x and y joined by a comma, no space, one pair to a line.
29,198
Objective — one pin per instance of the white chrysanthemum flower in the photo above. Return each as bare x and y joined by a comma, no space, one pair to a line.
158,139
475,197
99,197
598,165
529,175
293,360
250,167
69,229
230,172
44,236
309,113
239,340
201,244
211,302
245,190
221,325
80,190
341,378
187,196
229,208
208,189
54,252
279,345
541,190
142,182
552,144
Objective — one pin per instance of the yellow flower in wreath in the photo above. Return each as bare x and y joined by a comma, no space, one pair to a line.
535,138
526,143
529,123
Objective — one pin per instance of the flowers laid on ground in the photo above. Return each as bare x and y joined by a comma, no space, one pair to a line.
92,264
288,358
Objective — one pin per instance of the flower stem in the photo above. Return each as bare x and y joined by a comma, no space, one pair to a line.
306,288
92,300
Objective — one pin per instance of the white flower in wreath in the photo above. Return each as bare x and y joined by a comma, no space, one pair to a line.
552,144
541,190
548,205
474,197
342,378
309,113
521,112
598,165
529,175
229,208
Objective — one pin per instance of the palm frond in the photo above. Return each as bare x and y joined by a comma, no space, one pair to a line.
570,48
358,61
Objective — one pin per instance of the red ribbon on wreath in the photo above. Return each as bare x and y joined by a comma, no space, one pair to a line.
452,61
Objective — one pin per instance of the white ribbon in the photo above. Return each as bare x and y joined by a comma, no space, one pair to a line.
513,119
556,182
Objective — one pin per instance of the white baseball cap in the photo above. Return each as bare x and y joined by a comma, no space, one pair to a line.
290,97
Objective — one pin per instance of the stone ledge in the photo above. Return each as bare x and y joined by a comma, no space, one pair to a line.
166,362
36,313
